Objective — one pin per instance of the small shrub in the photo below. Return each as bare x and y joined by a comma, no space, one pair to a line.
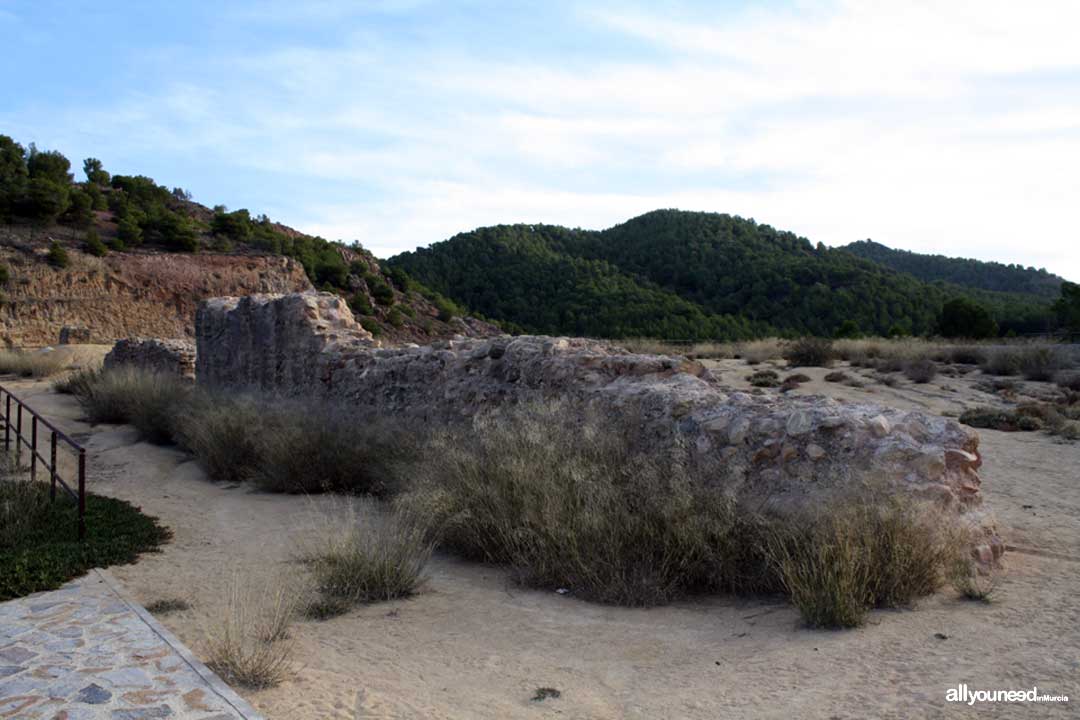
971,581
94,246
168,606
764,378
58,256
369,560
240,649
5,274
810,352
371,325
359,304
1002,361
836,376
1040,363
1068,381
967,355
886,380
921,370
998,419
796,379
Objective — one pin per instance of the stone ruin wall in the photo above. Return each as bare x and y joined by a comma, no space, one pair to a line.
795,450
171,357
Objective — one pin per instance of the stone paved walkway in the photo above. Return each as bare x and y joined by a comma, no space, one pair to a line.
86,651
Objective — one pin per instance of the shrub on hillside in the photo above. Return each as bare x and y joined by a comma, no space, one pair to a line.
58,256
764,378
810,352
224,433
94,246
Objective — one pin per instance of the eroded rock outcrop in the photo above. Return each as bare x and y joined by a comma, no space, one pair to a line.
171,357
790,450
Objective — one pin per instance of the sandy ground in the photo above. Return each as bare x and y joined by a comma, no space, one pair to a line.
474,646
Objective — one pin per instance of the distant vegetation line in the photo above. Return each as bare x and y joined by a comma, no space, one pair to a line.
666,274
703,276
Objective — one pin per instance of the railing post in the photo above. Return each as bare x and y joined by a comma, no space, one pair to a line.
18,434
52,466
33,448
82,493
7,424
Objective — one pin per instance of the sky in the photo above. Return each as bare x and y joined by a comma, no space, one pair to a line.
945,127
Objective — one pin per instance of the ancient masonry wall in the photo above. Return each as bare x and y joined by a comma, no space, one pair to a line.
793,450
171,357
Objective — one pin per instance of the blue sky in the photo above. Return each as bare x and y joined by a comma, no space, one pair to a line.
949,127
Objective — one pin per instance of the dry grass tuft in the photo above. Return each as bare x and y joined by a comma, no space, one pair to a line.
168,606
366,557
877,552
249,645
973,582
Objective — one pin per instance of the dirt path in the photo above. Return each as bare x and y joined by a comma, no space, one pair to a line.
472,645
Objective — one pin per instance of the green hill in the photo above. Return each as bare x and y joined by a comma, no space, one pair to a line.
966,272
688,275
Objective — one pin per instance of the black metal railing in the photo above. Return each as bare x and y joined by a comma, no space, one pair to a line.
13,429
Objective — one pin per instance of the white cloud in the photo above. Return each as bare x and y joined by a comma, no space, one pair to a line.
949,127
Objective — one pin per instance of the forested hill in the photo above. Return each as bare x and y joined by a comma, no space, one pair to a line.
688,275
962,271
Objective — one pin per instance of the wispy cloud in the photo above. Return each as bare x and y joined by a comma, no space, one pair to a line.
944,127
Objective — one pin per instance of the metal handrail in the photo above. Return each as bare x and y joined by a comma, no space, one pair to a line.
56,434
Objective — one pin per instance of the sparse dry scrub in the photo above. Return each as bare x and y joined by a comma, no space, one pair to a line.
30,364
836,376
77,382
574,506
23,504
973,582
699,350
810,352
249,645
1001,361
149,401
920,370
755,352
1041,363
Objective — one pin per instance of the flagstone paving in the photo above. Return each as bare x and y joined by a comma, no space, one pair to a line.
86,651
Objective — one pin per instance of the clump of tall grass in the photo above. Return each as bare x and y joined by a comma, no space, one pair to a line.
149,401
367,557
30,364
869,554
77,382
225,433
249,644
573,505
23,504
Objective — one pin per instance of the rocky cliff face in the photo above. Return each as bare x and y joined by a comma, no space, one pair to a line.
127,294
793,451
